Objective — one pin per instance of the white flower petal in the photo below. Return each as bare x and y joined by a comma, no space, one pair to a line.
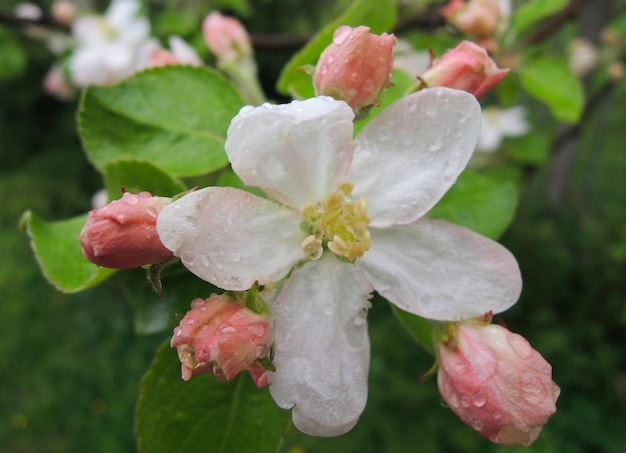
297,152
322,347
232,238
441,271
412,152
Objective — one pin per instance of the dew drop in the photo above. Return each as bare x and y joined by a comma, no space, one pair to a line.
197,302
130,198
477,424
465,402
480,399
178,331
256,329
205,261
228,329
368,85
359,321
341,34
453,400
497,415
120,218
262,351
151,212
324,69
435,146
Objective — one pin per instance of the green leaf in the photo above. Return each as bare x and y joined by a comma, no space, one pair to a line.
138,176
401,83
175,117
12,56
550,80
419,328
58,252
379,15
478,202
529,149
203,414
531,12
229,178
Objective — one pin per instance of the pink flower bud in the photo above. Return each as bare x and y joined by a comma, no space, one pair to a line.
64,11
478,18
226,37
220,336
467,67
122,234
495,381
355,67
56,84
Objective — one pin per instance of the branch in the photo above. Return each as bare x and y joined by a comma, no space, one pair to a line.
44,21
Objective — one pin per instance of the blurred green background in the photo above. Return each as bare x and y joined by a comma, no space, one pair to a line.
70,366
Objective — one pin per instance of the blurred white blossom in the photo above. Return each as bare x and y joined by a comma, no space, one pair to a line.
499,123
110,46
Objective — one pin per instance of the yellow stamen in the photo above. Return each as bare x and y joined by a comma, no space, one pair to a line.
338,222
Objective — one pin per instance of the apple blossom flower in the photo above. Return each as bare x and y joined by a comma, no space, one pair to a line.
409,60
109,46
122,234
467,67
499,123
348,217
226,37
355,67
180,53
222,337
582,56
478,18
494,380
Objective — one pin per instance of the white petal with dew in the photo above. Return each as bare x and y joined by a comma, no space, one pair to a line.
232,238
322,347
410,154
297,152
441,271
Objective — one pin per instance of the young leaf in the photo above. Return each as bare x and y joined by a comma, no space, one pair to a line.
138,176
550,80
379,15
175,117
533,11
58,252
203,414
419,328
480,203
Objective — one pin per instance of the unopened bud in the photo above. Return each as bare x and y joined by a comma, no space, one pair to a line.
495,381
467,67
221,336
226,37
122,234
478,18
355,67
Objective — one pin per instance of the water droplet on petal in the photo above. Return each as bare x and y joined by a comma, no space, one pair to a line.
256,329
465,402
197,302
262,351
477,424
479,399
341,34
435,146
497,414
453,400
228,329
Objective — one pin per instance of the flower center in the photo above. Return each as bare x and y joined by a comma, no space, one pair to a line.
337,222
